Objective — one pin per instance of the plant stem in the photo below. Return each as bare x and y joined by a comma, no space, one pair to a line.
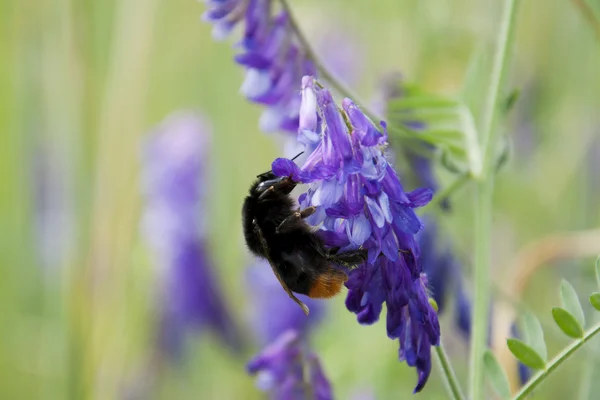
538,378
449,190
483,200
337,84
450,380
505,40
481,281
325,74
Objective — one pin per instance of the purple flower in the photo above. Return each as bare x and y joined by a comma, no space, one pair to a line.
281,366
274,60
283,327
273,313
174,158
361,203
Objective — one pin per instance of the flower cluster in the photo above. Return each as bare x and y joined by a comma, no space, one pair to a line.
280,369
283,328
173,166
274,60
361,203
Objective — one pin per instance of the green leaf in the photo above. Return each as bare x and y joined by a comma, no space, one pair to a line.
595,300
534,335
448,125
451,164
567,322
496,374
570,302
525,354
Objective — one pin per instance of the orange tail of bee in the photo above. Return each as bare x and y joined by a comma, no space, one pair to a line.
327,284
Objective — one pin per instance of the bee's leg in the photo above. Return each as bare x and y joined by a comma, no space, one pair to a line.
266,193
308,211
285,287
349,259
282,185
293,219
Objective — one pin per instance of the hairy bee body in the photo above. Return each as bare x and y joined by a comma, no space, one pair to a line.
274,230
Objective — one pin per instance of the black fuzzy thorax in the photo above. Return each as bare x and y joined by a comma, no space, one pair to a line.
297,254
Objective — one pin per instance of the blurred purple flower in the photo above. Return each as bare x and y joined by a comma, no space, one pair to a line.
463,311
274,58
321,388
361,204
272,312
340,49
283,327
174,158
280,370
422,168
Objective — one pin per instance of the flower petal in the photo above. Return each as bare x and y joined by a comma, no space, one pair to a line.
376,212
358,229
420,197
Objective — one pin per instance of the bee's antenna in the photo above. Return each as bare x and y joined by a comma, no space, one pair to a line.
297,155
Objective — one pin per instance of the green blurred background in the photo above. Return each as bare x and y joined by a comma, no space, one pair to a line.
83,81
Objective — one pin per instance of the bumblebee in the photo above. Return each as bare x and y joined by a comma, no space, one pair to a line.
276,231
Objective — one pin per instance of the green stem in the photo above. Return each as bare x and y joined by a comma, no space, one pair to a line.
481,281
538,378
337,84
490,112
449,190
483,199
450,380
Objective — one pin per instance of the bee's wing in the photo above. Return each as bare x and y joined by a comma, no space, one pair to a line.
283,284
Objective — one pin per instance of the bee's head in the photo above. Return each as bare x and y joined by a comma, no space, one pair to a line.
281,184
